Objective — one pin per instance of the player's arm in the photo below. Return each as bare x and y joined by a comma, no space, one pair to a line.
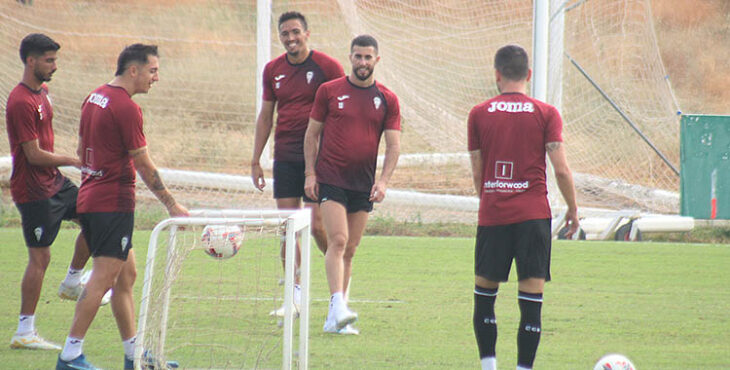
392,152
564,177
477,170
311,149
264,123
42,158
151,177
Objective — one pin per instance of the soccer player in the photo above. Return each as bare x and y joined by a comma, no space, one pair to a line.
508,137
41,193
111,146
290,82
349,116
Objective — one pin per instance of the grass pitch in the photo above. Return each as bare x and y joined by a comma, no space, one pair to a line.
663,305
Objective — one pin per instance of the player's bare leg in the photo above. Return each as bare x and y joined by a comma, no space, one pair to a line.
30,291
335,219
81,253
320,236
528,336
72,286
289,204
356,223
123,298
38,260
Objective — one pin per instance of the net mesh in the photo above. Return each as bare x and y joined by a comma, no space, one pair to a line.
207,312
436,56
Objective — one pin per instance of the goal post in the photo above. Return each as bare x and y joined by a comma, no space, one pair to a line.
211,313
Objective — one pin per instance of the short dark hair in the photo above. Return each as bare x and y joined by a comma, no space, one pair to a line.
364,41
293,15
36,44
138,53
511,61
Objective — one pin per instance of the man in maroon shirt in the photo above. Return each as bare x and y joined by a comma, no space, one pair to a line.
112,146
349,116
41,193
508,137
290,82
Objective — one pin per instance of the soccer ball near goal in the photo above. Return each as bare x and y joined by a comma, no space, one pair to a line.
614,362
221,241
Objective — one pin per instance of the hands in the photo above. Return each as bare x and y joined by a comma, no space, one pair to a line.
178,210
571,221
311,188
377,193
257,176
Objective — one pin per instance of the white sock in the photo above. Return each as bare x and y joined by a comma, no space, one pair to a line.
73,277
489,363
72,349
129,347
336,301
26,324
297,294
523,368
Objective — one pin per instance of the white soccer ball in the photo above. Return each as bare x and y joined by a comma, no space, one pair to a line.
614,361
221,241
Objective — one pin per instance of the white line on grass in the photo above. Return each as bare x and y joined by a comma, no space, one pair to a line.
374,301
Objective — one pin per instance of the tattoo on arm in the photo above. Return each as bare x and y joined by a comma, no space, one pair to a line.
552,146
140,151
156,182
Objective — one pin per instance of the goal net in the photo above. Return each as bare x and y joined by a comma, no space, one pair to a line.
206,306
436,56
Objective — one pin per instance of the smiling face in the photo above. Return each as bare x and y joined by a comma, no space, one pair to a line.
294,38
43,65
146,74
363,59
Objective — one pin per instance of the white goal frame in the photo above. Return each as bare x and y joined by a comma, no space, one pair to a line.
296,221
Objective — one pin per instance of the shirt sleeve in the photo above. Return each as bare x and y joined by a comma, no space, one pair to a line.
320,107
554,126
268,92
333,70
131,128
22,117
472,134
392,118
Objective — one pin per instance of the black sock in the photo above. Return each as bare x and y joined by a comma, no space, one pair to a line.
528,336
485,323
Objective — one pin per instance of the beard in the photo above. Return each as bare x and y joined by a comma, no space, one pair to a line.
362,78
41,77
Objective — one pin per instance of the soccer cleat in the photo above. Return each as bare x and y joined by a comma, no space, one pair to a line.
149,362
348,330
73,293
343,317
32,341
79,363
279,312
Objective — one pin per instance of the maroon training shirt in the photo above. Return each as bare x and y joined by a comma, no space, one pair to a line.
28,117
511,131
111,126
293,87
354,119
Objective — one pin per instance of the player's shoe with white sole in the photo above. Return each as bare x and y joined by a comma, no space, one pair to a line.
343,317
79,363
349,330
32,341
279,312
73,293
149,362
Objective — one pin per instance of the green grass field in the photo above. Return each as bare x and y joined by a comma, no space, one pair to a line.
663,305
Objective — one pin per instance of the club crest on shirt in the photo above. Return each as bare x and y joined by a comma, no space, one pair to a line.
40,111
277,79
377,102
341,101
310,75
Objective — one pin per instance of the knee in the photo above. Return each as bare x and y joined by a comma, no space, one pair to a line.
337,242
348,255
40,261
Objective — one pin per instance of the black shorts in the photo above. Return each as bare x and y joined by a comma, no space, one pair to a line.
41,219
108,234
528,243
354,201
289,180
